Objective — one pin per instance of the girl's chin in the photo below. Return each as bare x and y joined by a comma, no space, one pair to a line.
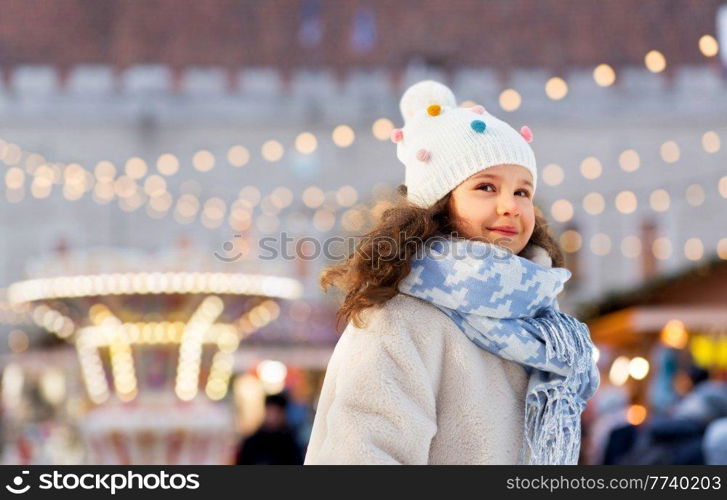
511,245
502,241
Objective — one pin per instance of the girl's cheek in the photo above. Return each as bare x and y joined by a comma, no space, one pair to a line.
527,202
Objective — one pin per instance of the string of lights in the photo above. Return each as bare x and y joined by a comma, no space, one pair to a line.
132,193
274,204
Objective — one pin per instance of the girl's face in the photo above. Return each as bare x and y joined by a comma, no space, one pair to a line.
495,205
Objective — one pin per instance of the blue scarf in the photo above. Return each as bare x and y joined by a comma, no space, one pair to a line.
507,305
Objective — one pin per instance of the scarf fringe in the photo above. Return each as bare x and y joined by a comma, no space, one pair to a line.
553,410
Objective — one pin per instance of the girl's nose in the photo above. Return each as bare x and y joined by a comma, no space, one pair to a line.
506,206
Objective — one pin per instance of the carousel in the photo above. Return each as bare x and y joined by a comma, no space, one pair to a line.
155,341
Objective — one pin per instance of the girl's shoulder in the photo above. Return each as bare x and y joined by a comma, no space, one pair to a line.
405,314
396,334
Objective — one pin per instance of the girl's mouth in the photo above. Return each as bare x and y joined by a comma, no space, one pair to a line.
503,232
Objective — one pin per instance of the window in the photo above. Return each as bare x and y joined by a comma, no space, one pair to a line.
310,32
363,35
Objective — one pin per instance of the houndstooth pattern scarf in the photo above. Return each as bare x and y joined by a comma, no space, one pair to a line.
506,304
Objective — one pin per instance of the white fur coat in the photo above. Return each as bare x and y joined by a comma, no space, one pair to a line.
411,388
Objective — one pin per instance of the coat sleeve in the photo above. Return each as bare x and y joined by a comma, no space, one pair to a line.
377,404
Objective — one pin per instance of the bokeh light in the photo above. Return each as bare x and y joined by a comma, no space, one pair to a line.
670,152
167,164
571,241
553,174
343,136
594,203
556,88
711,142
655,61
272,150
604,75
708,45
562,210
203,160
306,143
382,129
510,100
591,168
629,160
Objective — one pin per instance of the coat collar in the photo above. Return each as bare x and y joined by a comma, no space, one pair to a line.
537,254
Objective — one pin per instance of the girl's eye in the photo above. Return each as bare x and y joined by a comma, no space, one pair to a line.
525,191
485,185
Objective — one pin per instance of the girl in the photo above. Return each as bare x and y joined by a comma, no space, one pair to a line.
455,350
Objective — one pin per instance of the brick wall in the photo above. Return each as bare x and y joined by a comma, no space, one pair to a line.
554,34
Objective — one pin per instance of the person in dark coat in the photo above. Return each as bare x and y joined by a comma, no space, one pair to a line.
676,438
274,443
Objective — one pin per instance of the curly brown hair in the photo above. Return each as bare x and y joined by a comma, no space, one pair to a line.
370,275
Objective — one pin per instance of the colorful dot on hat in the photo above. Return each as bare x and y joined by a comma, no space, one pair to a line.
480,110
424,155
478,126
526,133
434,109
397,135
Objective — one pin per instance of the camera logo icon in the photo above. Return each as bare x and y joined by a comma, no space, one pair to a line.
17,482
228,246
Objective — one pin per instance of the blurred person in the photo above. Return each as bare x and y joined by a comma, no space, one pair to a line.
455,350
300,412
714,445
274,443
685,380
705,403
663,385
610,405
620,441
677,438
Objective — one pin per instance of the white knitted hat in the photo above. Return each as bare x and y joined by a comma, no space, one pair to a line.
442,144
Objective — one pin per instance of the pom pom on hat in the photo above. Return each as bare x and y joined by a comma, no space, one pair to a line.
397,135
420,96
478,126
424,155
526,133
434,109
480,110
